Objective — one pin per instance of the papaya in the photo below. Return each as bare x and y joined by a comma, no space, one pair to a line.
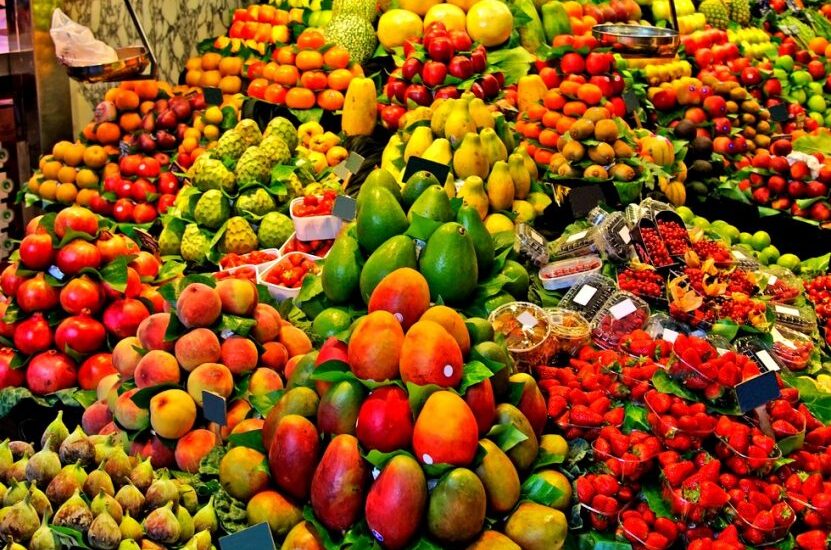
530,90
337,490
292,455
404,293
385,421
395,503
445,431
342,270
360,109
537,527
457,507
396,252
500,478
493,540
379,218
531,402
524,453
375,347
430,355
300,400
338,410
479,397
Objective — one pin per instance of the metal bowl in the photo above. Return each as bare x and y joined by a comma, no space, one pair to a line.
132,60
638,40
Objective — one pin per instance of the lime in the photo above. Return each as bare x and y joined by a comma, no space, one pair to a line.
760,240
815,88
518,275
698,221
685,213
745,238
789,261
732,232
330,322
480,330
799,96
784,62
817,117
769,255
801,78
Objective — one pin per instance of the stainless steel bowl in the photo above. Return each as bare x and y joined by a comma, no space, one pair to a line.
638,40
132,61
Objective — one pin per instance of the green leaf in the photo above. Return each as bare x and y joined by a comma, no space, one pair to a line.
142,397
170,270
421,227
652,494
810,144
599,541
10,397
513,63
231,513
115,273
333,371
635,418
537,489
419,394
817,401
252,439
473,373
308,115
546,459
74,397
815,266
506,436
379,459
238,325
311,300
726,328
209,466
67,537
263,403
663,383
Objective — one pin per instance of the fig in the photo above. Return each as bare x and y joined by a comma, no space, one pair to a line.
142,475
21,449
39,501
161,525
104,533
118,466
105,503
199,541
17,471
54,434
205,519
69,480
20,521
188,498
130,528
98,480
74,513
16,492
130,499
43,538
161,492
42,467
77,448
6,458
185,520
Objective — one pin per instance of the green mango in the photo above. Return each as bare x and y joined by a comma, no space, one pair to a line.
301,375
457,507
396,252
500,478
479,330
448,262
520,280
537,527
495,352
524,453
342,270
339,407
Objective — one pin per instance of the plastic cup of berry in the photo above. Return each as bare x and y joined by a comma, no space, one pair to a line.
778,284
800,318
572,431
527,331
600,521
738,462
683,433
314,221
637,542
284,277
571,329
625,469
622,313
684,508
792,348
588,295
754,533
256,258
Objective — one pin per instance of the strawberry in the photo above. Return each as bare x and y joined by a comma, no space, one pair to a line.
813,540
783,429
584,488
582,416
678,472
656,541
636,527
605,484
666,527
764,521
605,505
556,405
783,515
615,416
711,495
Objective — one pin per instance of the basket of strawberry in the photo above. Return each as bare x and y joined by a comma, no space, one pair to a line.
680,425
312,217
692,487
760,514
603,496
745,449
627,456
646,531
284,278
810,497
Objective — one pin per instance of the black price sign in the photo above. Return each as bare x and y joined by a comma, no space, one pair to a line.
215,408
418,164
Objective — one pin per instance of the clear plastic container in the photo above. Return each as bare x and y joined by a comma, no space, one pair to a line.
248,272
651,247
800,318
637,542
779,285
686,510
564,273
527,331
760,352
314,228
672,230
675,432
757,465
792,348
599,520
744,259
571,329
770,536
258,257
581,243
616,237
622,313
530,245
281,292
626,470
588,295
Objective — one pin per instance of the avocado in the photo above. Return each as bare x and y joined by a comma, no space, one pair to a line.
379,218
448,262
433,204
469,218
416,185
685,129
397,252
379,177
341,270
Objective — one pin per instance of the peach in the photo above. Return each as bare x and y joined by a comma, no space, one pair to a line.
151,332
96,417
196,347
105,385
198,306
236,413
128,414
238,296
295,340
291,364
248,425
211,377
112,394
274,356
268,323
264,381
126,356
192,448
239,354
155,368
172,413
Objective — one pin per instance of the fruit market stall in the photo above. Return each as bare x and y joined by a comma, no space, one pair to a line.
425,274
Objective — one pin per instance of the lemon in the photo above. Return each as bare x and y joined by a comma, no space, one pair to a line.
397,26
789,261
213,115
760,240
490,22
497,223
452,16
419,7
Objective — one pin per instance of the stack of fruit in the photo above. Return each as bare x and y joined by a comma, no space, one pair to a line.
74,286
212,69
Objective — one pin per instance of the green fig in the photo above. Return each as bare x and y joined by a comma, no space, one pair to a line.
130,499
188,498
199,541
42,467
3,490
104,533
20,521
21,449
118,466
142,475
205,519
39,501
70,479
74,513
161,492
54,434
17,471
6,458
77,448
11,545
185,520
17,491
44,538
98,480
105,503
130,528
161,525
129,545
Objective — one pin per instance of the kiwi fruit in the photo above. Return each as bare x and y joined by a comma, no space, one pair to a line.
623,150
606,130
574,151
581,129
603,154
595,171
597,114
701,168
702,146
622,172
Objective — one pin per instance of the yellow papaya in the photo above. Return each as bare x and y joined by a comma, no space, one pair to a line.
360,109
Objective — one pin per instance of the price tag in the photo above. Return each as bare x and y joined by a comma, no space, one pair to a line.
787,310
757,391
622,309
772,280
354,162
418,164
214,407
721,351
779,112
213,96
669,335
738,255
345,207
767,360
584,295
527,319
256,537
577,236
624,234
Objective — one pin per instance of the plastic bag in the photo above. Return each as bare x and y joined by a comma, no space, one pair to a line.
75,44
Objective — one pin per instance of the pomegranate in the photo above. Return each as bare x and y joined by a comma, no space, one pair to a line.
146,264
34,226
9,280
33,335
76,255
80,294
11,376
6,329
123,317
49,372
77,219
94,369
111,247
36,251
80,333
36,294
132,289
154,298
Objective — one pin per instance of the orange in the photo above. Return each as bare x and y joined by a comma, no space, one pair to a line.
67,174
50,169
574,109
230,66
111,169
74,154
193,63
107,132
818,45
287,75
192,78
553,99
147,89
269,69
230,84
569,88
86,179
300,98
314,80
330,100
275,93
130,122
578,27
532,130
111,150
336,57
549,138
281,18
210,61
549,119
339,79
535,112
311,39
127,100
210,79
285,55
563,40
543,156
573,9
189,144
257,87
591,94
60,149
564,124
111,94
48,189
308,60
357,70
66,193
128,85
147,106
95,156
89,131
193,132
85,197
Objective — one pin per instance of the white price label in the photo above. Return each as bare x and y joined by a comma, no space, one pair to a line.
622,309
527,319
584,295
624,234
738,255
768,361
721,351
669,335
772,279
777,337
576,236
787,310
